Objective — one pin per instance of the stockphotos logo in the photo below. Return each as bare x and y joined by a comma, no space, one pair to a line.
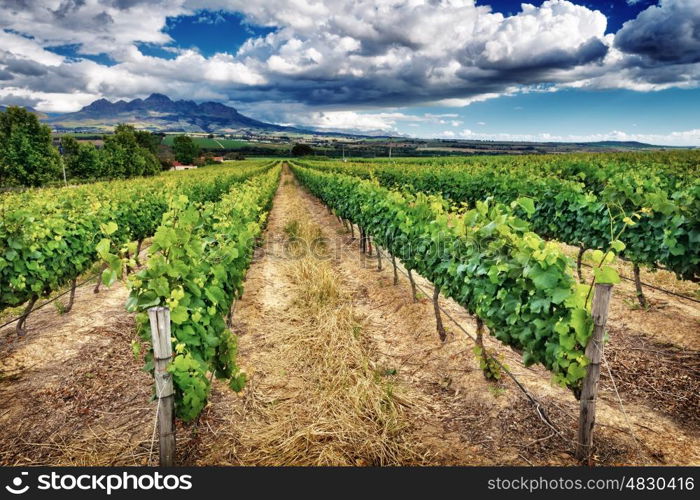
16,488
107,483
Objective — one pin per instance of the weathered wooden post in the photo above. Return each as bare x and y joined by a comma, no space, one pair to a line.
594,353
162,354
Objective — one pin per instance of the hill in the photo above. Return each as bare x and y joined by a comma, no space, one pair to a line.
160,113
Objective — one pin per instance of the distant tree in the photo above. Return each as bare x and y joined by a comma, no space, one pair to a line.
208,159
165,157
302,150
210,136
123,156
185,149
27,157
148,140
82,160
234,156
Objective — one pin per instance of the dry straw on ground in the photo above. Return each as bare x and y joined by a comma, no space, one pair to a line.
344,413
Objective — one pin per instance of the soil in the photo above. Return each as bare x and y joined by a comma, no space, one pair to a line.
72,393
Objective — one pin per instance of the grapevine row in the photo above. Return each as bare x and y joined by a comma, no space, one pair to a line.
658,227
487,259
48,237
196,267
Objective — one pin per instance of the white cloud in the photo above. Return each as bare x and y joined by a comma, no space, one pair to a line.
679,138
558,34
350,120
341,60
324,52
46,101
98,26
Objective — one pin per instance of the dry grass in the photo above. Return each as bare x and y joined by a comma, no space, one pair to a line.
344,412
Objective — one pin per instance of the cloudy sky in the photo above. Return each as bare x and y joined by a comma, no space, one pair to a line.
484,69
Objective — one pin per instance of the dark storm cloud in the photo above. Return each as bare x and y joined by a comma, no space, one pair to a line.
21,66
16,100
103,18
593,50
15,4
68,7
127,4
58,79
668,33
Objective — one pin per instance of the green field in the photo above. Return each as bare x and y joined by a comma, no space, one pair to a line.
206,143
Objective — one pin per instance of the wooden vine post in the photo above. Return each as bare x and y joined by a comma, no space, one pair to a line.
162,354
594,353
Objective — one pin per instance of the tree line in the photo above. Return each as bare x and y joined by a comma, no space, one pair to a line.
28,157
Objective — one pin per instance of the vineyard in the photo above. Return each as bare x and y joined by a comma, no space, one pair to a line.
529,310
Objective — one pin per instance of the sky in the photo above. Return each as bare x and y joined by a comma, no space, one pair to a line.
555,70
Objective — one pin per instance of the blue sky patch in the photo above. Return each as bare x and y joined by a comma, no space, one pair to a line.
212,31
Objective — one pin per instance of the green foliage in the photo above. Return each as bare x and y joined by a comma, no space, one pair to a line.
125,157
50,236
185,149
488,365
485,258
651,200
148,141
82,160
302,150
196,267
27,157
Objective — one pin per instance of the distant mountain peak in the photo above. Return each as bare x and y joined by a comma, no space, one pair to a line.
155,97
160,113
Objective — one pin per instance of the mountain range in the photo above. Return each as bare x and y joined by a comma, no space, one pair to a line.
160,113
